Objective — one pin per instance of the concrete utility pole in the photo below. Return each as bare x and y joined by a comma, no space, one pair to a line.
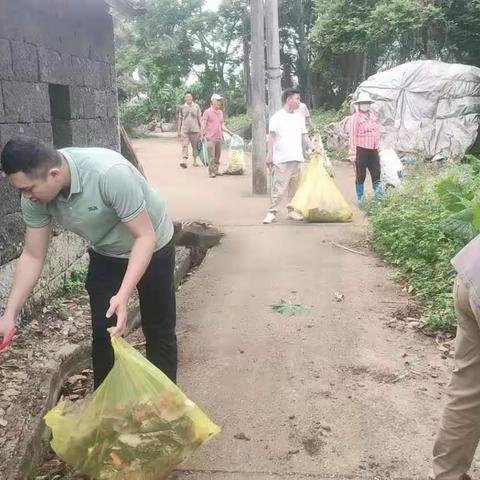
259,174
274,71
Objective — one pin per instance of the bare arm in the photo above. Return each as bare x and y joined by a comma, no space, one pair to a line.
352,140
199,117
28,270
143,247
179,122
308,142
204,127
225,129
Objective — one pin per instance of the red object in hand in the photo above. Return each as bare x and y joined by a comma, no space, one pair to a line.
6,341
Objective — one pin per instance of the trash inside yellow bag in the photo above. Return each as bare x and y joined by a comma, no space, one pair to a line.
318,198
236,156
137,426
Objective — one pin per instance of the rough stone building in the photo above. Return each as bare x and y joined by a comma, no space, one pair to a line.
57,82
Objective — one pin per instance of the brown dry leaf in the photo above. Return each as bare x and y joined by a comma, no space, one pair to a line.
116,460
3,422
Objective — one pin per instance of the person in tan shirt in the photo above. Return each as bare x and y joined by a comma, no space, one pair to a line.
189,128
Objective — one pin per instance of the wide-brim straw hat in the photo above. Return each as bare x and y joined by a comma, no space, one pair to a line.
363,97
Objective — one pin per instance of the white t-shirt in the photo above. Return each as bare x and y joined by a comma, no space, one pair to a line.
288,129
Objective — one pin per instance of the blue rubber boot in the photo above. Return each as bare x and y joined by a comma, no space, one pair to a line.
377,188
360,191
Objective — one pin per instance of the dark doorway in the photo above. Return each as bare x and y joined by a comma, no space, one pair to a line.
61,115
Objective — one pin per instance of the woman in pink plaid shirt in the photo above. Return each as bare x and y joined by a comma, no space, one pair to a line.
364,143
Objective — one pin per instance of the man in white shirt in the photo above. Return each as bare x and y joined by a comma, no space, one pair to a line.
285,156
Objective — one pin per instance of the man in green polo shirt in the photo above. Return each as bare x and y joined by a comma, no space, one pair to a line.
99,195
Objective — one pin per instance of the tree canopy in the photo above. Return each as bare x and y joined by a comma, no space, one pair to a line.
327,46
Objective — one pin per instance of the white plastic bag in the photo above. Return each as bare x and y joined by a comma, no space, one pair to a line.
391,168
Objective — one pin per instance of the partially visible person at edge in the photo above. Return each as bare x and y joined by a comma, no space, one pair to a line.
364,139
459,431
305,114
213,127
100,196
285,155
189,129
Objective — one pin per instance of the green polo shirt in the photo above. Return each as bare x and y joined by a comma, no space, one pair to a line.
106,191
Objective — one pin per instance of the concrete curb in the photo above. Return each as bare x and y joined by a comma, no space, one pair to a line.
76,357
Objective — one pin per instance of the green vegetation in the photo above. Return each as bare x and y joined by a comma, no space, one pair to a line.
239,122
321,118
327,47
75,283
420,226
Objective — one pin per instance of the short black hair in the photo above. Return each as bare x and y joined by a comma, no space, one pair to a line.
28,155
188,93
289,92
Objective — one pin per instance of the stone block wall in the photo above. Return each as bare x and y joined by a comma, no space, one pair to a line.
57,83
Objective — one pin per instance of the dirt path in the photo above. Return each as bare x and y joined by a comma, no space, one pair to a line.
335,392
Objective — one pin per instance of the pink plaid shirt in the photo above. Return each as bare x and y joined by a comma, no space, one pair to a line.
363,129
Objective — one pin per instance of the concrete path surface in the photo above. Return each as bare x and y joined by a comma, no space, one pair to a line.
338,391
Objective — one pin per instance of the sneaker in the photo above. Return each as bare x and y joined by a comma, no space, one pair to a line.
212,175
269,218
183,165
293,215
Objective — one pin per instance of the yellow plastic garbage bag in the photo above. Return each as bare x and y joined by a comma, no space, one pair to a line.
138,425
236,156
318,198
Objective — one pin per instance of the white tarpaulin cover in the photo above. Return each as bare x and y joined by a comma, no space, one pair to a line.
426,108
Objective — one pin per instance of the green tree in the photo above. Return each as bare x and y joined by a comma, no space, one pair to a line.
173,42
296,20
352,40
218,49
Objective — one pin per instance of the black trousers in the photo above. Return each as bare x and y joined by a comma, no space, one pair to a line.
367,159
156,291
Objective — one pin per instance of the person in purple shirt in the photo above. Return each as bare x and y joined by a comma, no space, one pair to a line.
459,431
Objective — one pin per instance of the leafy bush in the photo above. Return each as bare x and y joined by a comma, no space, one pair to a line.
161,104
75,283
320,118
239,122
420,226
131,117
